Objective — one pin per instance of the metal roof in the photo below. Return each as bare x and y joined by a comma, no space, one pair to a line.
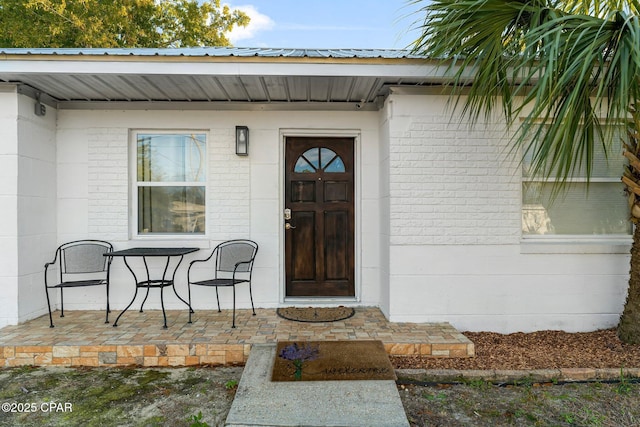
220,52
214,75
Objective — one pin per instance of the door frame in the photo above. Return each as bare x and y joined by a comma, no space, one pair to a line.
320,133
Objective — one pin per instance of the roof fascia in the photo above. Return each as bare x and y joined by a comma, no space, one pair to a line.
375,67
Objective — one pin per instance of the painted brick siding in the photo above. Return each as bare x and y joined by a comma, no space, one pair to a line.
450,184
108,181
229,190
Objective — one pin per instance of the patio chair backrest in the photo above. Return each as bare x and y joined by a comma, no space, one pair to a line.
234,251
84,257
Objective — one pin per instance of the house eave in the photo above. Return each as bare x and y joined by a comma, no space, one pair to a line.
215,78
219,106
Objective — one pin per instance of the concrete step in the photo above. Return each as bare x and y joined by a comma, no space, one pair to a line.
261,402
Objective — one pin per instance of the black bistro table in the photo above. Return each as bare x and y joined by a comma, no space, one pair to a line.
168,275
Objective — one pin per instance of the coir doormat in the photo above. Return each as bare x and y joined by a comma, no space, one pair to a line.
331,361
315,314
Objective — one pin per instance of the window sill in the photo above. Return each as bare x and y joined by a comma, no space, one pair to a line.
576,245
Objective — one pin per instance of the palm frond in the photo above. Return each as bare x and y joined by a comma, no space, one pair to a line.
561,71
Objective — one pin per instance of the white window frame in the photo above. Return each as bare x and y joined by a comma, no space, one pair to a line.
134,185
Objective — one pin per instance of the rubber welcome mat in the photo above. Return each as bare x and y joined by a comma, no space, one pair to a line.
331,361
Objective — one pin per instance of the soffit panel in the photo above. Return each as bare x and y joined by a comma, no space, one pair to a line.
277,88
229,88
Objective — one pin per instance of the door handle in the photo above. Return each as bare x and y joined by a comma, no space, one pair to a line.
288,226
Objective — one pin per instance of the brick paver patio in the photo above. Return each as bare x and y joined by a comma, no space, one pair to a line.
82,338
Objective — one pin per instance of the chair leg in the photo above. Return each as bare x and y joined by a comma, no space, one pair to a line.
218,299
233,324
189,299
46,290
61,302
251,297
108,309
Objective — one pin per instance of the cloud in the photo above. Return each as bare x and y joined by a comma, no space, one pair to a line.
259,22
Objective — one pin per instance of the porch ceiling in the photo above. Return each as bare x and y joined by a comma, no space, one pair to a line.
67,77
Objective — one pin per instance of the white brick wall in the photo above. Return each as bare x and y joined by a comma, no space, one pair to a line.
91,171
108,183
28,200
455,252
229,192
9,310
36,203
441,201
449,184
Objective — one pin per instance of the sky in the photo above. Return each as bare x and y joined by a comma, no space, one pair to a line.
360,24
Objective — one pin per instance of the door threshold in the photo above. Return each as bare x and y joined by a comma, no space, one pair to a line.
315,301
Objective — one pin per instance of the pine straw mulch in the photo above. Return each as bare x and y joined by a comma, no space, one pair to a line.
537,350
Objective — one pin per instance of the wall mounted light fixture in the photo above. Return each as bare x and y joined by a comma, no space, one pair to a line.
242,140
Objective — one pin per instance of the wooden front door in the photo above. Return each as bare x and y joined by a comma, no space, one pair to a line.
319,236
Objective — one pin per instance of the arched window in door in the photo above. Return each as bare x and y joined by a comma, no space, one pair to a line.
319,159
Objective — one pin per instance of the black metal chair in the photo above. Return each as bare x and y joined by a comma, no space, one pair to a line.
80,263
233,265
